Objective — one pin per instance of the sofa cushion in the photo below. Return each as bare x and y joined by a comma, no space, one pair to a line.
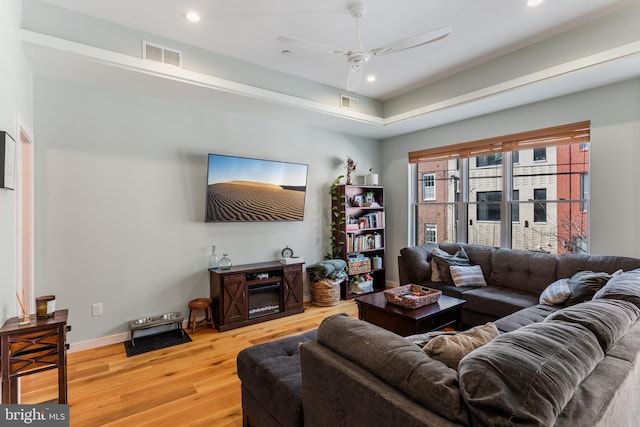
608,320
585,284
444,260
522,270
527,376
467,275
556,293
417,259
524,317
624,286
497,302
451,348
397,361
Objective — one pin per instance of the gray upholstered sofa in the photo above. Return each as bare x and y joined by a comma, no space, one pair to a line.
515,278
576,366
560,365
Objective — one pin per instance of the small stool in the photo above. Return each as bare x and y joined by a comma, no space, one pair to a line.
200,304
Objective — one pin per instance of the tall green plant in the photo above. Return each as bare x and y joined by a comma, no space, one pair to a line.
337,220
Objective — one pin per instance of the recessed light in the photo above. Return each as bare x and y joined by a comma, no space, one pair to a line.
371,78
532,3
192,16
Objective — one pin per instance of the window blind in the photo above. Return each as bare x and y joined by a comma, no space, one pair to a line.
553,136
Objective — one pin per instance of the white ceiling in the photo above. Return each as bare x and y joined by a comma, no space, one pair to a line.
247,30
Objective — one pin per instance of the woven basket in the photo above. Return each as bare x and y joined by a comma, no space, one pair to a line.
325,292
404,296
360,266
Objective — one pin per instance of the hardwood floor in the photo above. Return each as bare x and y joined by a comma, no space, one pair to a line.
187,385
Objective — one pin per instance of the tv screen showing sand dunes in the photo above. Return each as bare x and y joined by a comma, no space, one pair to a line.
245,189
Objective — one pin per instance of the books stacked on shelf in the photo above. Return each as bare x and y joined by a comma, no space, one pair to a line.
364,242
372,220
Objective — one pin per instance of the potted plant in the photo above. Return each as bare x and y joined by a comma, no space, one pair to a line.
337,220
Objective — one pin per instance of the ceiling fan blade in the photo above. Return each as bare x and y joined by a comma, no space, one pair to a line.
414,41
309,45
354,78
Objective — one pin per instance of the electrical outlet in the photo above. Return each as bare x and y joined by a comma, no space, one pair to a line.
96,309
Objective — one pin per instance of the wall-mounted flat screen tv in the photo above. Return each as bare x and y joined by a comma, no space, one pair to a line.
246,189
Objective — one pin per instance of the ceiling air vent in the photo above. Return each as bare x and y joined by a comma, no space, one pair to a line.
349,103
154,52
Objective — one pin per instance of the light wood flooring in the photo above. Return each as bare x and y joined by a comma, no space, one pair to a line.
191,384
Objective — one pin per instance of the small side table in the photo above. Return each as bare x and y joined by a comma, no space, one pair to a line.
27,349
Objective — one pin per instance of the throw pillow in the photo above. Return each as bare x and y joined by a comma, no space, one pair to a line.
463,275
450,349
556,293
435,273
585,284
624,286
444,260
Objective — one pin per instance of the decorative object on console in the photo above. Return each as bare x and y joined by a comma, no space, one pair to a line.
213,258
7,161
45,306
225,262
25,315
287,252
241,189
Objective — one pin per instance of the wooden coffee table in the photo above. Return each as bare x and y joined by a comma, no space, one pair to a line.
374,308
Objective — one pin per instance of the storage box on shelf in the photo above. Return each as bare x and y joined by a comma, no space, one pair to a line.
362,237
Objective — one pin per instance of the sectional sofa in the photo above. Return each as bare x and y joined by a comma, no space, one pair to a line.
573,363
514,278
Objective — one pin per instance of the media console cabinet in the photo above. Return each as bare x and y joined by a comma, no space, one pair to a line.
253,293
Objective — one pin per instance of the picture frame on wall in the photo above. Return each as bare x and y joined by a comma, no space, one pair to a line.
7,161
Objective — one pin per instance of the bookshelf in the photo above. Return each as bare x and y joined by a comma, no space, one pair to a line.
362,237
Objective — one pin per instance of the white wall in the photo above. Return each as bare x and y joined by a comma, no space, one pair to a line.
15,98
120,196
614,112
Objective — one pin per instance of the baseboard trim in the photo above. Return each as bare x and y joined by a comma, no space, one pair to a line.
99,342
108,340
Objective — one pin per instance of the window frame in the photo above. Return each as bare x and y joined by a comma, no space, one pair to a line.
569,135
428,177
430,229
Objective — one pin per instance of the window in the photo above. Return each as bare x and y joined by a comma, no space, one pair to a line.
540,208
539,154
536,201
488,207
490,160
429,186
584,191
584,146
430,233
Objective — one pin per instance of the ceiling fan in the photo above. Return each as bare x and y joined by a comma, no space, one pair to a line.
359,56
